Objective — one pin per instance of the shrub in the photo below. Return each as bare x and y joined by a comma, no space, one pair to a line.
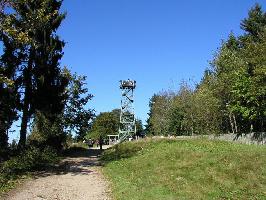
30,160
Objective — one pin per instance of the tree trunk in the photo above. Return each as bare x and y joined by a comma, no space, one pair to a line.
101,143
192,128
251,128
24,124
3,142
26,104
3,124
231,123
3,137
236,129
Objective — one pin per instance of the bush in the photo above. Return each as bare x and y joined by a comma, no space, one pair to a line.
30,160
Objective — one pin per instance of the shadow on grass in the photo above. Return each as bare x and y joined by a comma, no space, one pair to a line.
122,151
130,149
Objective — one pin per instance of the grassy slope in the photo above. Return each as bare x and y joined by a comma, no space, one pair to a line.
186,169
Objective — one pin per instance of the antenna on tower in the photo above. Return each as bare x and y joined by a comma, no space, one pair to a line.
127,126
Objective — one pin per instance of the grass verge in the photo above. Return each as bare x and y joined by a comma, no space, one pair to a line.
186,169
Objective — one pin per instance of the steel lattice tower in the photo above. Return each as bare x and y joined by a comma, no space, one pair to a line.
127,127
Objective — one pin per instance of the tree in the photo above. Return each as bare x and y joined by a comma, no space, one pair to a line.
176,120
171,113
149,129
230,96
250,90
224,67
207,113
107,123
76,117
139,128
184,103
254,25
32,26
239,69
104,124
47,133
159,113
9,97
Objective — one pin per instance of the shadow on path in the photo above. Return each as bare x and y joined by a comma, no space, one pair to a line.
76,162
77,176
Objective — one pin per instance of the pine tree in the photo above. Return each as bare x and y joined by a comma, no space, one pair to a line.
9,97
33,26
255,24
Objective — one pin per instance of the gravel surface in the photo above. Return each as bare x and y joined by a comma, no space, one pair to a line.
77,177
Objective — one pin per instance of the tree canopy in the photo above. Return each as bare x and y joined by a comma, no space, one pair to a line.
231,95
33,86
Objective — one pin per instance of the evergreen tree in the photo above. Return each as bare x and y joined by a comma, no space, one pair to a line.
33,27
255,24
9,97
149,127
139,128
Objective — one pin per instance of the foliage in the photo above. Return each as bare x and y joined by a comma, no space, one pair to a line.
160,105
139,127
167,169
32,83
34,88
32,51
185,112
231,94
9,97
47,133
76,117
27,161
105,123
207,115
240,70
183,104
254,25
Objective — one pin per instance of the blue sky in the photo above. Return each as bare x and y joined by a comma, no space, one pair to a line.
156,42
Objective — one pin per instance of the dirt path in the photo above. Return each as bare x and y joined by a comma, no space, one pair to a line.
78,177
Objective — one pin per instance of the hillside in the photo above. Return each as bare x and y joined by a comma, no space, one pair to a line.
186,169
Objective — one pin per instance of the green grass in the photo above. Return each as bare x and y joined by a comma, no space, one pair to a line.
186,169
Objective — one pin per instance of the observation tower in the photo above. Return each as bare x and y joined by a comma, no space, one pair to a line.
127,126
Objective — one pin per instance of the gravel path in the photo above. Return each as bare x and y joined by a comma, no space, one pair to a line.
78,177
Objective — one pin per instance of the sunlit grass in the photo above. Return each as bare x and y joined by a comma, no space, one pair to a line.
186,169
